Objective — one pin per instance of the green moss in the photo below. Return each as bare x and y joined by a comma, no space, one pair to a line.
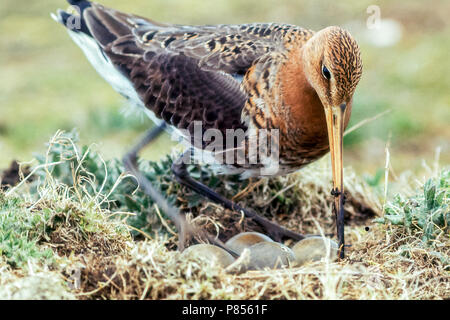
20,232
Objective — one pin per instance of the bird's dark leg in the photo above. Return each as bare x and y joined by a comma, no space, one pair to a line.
149,136
277,232
185,230
130,163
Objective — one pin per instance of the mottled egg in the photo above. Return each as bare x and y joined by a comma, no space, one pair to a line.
209,252
314,249
245,240
269,255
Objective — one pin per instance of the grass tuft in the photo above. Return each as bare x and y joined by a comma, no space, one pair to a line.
427,212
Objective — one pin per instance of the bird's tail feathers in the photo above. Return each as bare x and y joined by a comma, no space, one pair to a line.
103,24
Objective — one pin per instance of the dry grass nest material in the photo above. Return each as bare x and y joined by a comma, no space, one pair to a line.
300,202
374,269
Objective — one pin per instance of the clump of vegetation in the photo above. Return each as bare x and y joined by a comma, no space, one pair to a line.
84,170
49,227
20,232
427,212
420,223
31,231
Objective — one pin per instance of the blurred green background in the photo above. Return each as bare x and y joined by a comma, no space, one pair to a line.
47,84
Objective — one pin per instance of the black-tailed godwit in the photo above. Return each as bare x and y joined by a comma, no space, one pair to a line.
282,80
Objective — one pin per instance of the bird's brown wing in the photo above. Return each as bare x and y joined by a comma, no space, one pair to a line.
185,73
229,48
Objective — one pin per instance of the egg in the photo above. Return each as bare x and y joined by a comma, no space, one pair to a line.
269,254
314,249
209,252
245,240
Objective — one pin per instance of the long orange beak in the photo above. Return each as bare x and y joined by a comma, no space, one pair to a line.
335,123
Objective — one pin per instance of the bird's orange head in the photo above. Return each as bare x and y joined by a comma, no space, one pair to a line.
332,64
333,67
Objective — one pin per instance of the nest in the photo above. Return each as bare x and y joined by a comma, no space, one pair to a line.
98,254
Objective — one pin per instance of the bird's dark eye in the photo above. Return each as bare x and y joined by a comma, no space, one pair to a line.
326,73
